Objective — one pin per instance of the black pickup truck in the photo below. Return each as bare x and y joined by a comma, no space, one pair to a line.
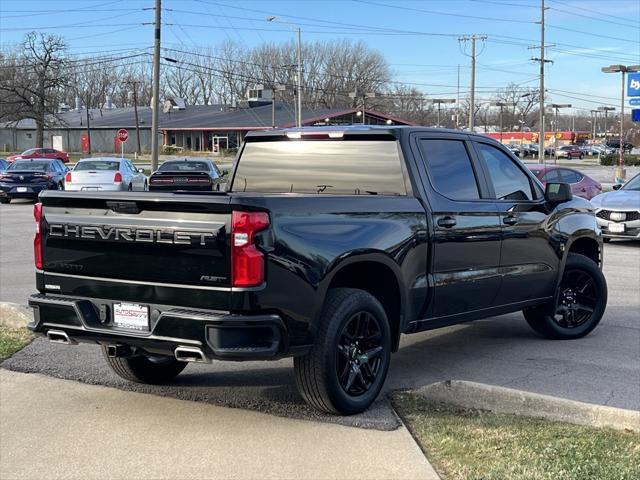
327,245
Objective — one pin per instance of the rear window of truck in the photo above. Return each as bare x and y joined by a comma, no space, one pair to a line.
354,167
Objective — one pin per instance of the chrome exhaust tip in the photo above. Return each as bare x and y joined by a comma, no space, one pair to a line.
190,354
58,336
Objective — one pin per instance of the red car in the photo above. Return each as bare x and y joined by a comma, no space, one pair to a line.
40,153
581,185
570,151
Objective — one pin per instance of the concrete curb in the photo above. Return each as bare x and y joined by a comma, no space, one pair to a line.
14,315
506,400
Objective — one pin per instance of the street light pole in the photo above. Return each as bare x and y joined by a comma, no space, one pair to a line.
556,107
606,110
620,173
439,102
501,105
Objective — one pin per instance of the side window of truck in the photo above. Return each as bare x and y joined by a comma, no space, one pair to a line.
450,168
509,181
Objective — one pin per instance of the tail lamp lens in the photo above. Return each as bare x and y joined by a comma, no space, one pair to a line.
37,241
67,177
117,178
247,261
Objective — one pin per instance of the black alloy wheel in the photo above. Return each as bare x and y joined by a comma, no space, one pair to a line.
359,353
347,365
577,299
581,302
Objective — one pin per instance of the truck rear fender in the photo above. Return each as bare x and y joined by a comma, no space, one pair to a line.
374,272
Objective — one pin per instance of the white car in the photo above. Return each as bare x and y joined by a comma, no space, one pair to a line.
106,174
618,212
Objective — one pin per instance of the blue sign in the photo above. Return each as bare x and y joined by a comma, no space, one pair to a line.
634,101
635,114
633,85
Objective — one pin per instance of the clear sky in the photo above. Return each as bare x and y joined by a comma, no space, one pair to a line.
418,37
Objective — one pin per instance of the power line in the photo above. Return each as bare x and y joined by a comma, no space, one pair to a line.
434,12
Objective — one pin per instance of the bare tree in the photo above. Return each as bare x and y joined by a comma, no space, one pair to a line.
32,86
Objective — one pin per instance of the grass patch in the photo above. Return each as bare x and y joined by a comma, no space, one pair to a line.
472,445
12,340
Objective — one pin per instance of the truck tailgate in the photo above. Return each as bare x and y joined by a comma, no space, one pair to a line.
170,241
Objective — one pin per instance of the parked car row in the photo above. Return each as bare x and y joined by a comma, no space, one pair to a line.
565,151
26,178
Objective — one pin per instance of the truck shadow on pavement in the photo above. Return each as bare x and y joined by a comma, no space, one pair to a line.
498,351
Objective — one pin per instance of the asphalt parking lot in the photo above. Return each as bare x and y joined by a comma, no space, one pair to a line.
603,368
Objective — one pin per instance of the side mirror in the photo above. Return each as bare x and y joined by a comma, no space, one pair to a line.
558,192
140,170
617,186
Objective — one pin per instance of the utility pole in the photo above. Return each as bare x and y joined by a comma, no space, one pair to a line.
135,109
542,61
299,92
458,101
472,99
156,88
620,171
296,29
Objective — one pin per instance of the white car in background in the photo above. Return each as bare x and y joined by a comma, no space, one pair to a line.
106,174
618,212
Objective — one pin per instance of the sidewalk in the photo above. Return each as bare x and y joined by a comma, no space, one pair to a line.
52,428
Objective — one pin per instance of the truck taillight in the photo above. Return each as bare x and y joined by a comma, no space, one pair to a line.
67,177
247,262
117,178
37,241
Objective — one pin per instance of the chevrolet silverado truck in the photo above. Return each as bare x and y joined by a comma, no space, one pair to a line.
325,245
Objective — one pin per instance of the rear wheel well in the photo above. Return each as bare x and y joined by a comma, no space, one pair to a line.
380,281
587,247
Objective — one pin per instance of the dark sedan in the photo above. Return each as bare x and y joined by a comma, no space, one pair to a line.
27,178
189,174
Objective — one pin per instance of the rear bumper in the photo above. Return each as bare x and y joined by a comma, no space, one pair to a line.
96,187
11,191
219,335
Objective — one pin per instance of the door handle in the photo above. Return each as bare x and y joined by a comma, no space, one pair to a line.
510,220
447,222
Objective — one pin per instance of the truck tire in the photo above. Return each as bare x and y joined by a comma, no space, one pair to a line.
344,371
144,368
582,299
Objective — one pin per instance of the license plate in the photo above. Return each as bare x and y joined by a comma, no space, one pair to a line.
131,315
21,189
616,227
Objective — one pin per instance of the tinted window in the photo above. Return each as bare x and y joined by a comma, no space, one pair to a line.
182,166
509,181
31,151
569,176
344,167
552,176
450,168
30,166
98,165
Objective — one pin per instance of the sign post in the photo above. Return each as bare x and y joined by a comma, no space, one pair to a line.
123,136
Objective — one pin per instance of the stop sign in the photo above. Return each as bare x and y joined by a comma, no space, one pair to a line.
123,135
